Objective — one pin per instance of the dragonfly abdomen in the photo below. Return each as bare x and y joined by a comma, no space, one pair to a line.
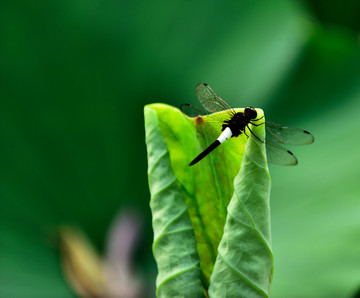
205,152
226,134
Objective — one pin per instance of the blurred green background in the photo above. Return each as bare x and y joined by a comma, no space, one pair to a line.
75,76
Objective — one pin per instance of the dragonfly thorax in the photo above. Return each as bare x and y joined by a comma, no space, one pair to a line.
239,121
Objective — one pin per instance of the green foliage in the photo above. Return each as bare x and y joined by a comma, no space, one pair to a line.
174,244
204,226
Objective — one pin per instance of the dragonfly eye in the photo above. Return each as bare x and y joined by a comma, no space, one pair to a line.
250,112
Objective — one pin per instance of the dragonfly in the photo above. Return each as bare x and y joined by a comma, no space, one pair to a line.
234,124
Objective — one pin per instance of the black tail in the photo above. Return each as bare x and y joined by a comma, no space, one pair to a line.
205,152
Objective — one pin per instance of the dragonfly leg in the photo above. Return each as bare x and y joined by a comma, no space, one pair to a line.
254,134
257,124
245,133
259,119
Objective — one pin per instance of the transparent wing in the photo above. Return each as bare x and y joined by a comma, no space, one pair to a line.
192,111
279,155
287,135
209,99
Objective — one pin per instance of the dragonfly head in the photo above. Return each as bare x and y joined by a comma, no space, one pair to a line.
250,113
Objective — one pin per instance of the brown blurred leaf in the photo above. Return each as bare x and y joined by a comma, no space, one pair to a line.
81,264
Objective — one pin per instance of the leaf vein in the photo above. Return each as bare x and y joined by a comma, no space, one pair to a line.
162,232
195,267
153,164
179,231
240,221
162,188
259,235
241,275
149,132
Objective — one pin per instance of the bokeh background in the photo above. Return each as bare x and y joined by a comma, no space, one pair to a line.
75,76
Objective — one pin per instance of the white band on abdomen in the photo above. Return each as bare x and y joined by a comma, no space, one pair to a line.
226,134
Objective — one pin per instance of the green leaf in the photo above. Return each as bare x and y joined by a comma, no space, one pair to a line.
174,244
244,264
190,204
